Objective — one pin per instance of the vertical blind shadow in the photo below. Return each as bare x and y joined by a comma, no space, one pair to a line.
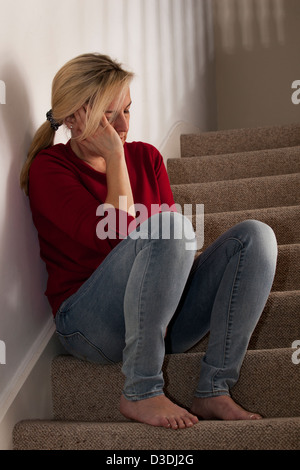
246,23
176,43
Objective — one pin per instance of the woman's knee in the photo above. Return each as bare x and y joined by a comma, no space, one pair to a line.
260,230
177,227
260,237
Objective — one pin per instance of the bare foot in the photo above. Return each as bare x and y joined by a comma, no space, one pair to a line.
157,411
220,407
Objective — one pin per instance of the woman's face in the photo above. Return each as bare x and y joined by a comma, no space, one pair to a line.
118,114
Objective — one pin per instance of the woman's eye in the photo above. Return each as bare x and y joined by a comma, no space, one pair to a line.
113,114
109,116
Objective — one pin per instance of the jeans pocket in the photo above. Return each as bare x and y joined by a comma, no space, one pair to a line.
79,346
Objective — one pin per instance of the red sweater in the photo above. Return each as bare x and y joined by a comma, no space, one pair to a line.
65,193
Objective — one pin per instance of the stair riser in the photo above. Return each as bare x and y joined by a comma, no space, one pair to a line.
86,394
267,434
287,275
284,221
278,327
236,166
237,195
239,140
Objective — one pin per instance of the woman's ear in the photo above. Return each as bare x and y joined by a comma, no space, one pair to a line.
69,121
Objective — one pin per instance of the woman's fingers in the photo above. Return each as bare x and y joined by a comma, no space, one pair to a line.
104,142
104,122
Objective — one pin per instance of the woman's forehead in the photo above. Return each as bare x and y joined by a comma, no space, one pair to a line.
122,100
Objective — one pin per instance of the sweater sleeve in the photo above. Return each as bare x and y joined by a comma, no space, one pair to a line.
58,196
165,190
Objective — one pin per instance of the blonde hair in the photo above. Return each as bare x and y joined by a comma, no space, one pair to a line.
89,79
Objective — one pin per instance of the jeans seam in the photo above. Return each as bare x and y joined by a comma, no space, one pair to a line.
98,350
216,247
142,396
229,316
149,245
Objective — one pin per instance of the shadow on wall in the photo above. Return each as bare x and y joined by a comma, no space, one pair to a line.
171,49
22,273
244,23
257,59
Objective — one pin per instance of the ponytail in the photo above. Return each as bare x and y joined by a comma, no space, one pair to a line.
43,138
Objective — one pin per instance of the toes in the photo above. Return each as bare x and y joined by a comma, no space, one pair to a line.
193,419
190,420
165,423
173,423
181,422
255,416
189,423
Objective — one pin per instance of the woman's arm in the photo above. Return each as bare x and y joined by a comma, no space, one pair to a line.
106,147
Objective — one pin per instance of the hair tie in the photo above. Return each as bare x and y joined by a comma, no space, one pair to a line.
50,118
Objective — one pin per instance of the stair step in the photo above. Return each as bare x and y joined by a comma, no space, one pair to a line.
287,275
278,326
239,140
266,434
285,221
234,166
82,391
242,194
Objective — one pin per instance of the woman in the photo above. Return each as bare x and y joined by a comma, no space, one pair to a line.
120,290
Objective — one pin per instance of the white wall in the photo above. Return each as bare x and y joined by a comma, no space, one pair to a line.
257,61
167,43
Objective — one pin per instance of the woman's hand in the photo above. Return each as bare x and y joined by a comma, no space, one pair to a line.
105,143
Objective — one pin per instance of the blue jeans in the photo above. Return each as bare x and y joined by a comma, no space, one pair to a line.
150,283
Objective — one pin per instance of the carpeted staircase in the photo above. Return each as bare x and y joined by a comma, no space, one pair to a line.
237,175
